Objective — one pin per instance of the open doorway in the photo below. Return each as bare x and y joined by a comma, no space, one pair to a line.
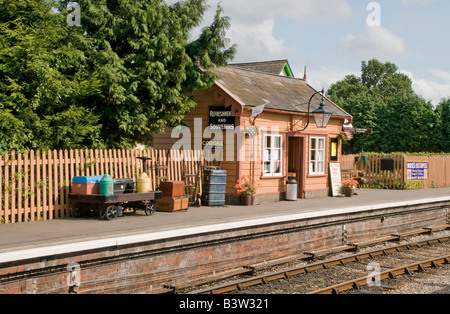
295,162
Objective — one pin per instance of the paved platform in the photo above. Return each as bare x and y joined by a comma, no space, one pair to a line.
78,232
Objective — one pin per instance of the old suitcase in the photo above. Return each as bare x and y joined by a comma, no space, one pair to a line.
86,185
172,204
172,188
124,186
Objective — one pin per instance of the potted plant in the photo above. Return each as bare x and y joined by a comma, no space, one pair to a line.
246,189
349,186
251,131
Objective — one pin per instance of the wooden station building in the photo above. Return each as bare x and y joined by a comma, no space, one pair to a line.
271,105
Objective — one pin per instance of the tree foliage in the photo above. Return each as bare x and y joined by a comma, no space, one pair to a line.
383,100
116,80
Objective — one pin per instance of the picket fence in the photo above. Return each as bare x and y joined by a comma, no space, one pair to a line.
35,185
438,175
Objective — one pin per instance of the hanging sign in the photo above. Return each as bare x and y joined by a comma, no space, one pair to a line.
335,179
358,131
221,118
257,111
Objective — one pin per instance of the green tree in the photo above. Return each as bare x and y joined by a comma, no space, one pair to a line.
43,85
383,100
141,53
443,126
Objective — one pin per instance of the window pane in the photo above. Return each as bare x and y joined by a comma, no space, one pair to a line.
277,167
276,154
266,155
277,142
320,167
313,143
313,155
321,143
268,142
267,168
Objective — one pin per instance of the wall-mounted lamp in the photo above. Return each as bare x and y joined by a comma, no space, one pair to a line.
321,115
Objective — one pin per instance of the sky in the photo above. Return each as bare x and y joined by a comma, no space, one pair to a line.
332,37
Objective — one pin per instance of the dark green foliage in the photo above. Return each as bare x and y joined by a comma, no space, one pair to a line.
42,87
383,100
113,82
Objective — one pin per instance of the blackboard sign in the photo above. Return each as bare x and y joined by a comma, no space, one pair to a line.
221,118
387,165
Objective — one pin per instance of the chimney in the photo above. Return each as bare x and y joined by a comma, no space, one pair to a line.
305,78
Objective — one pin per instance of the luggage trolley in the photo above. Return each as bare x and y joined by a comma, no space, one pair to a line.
113,206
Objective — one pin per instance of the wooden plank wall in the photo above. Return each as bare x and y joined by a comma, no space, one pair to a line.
35,185
438,171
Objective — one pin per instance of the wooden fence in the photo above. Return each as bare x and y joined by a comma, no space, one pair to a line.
437,174
35,185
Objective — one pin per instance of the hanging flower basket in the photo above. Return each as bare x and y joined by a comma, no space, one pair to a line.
251,131
346,136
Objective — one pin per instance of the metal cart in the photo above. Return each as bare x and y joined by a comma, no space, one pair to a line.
113,206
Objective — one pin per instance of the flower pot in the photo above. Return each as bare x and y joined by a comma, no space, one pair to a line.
247,200
365,159
348,192
357,159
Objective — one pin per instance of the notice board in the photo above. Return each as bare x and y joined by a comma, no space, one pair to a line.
417,171
335,179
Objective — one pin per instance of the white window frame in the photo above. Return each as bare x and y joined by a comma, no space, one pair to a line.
269,153
317,155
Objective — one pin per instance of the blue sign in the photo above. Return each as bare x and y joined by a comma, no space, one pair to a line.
417,171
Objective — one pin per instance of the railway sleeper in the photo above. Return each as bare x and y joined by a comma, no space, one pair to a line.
322,253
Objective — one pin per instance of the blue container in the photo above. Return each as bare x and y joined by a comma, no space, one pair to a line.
214,187
92,179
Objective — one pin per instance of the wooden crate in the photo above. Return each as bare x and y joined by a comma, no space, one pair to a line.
172,188
172,204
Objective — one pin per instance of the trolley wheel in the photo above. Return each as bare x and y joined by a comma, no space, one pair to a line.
112,212
150,209
77,213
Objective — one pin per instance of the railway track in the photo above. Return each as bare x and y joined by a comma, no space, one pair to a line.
338,275
388,274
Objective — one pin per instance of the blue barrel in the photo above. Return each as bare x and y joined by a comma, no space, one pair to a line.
214,187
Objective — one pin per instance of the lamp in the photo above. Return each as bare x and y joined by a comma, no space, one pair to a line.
322,115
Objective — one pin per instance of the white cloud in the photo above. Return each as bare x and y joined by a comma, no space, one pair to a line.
431,90
373,42
257,42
